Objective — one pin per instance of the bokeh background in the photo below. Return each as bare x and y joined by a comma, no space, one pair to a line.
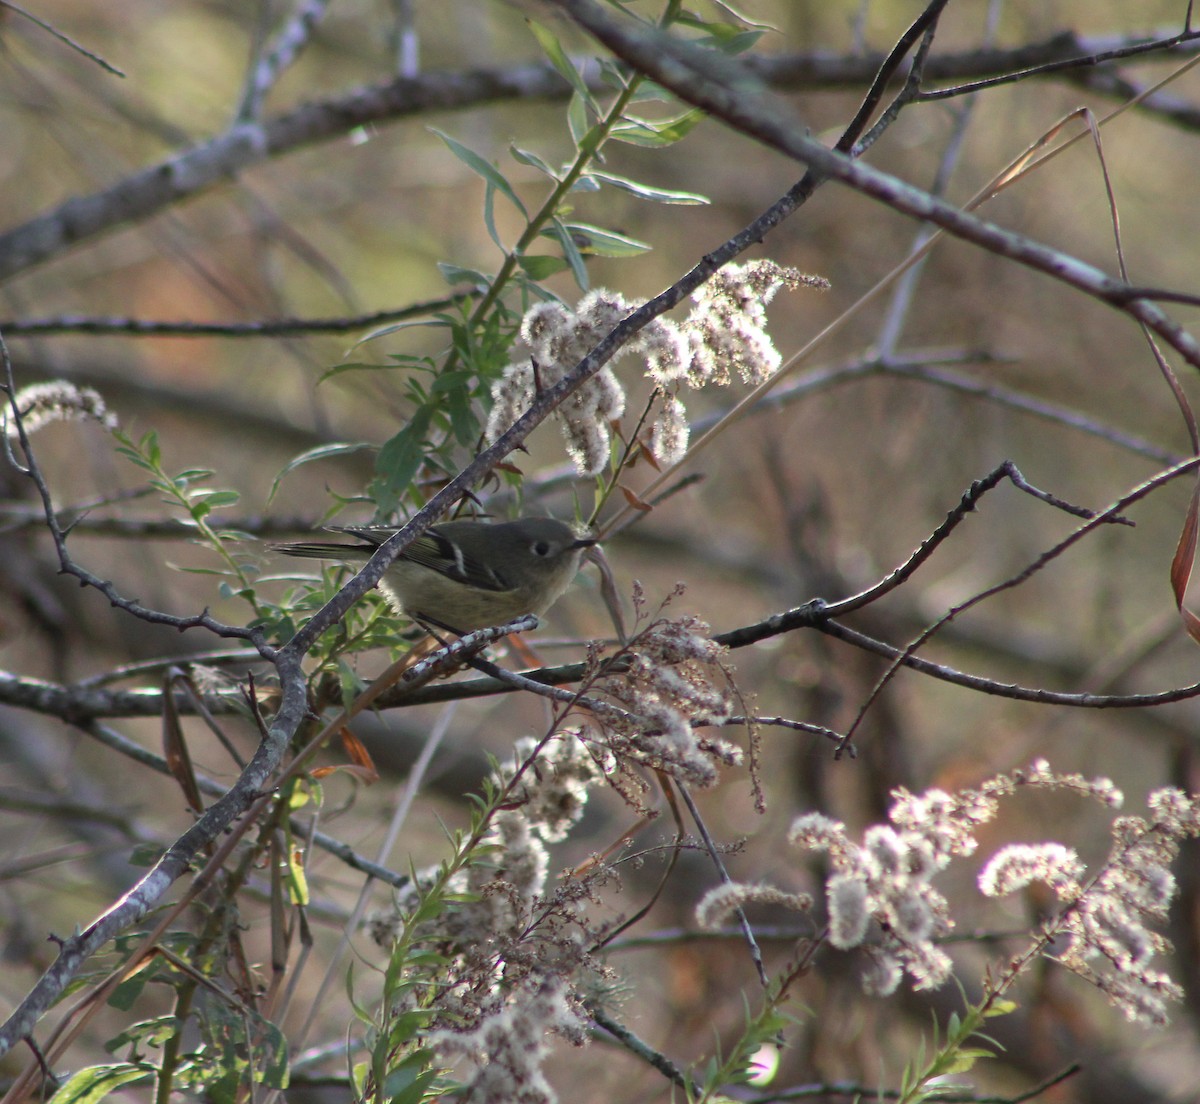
817,495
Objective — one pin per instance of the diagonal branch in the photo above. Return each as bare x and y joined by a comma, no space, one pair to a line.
197,168
685,70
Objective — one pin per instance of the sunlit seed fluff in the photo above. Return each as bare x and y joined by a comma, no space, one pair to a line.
719,903
669,432
57,401
1152,889
511,396
1142,998
600,310
1018,865
911,917
818,832
509,1045
1175,810
702,363
1119,936
886,851
545,327
883,974
680,639
667,352
722,750
588,443
712,350
931,968
849,913
553,787
524,859
610,395
758,359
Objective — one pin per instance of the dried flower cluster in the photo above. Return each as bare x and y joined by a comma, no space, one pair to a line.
720,902
514,949
674,684
553,783
889,879
725,334
58,401
514,952
557,339
508,1046
1106,921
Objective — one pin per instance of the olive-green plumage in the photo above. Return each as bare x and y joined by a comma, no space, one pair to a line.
466,575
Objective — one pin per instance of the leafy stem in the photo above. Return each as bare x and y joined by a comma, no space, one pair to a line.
198,502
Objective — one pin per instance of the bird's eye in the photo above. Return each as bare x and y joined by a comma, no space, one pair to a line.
541,548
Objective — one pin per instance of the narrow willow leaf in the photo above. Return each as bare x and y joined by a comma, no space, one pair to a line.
606,243
539,266
96,1082
557,56
645,191
483,167
321,452
532,159
559,230
657,133
456,274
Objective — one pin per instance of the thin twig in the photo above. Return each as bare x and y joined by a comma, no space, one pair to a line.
715,855
1026,573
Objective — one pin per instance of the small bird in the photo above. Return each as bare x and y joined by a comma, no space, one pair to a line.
467,575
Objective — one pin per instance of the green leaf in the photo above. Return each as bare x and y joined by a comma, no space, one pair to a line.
484,168
273,1072
740,43
321,452
148,446
146,854
144,1033
657,133
558,230
401,458
557,56
96,1082
456,274
351,365
407,1081
489,216
126,994
578,123
1001,1007
419,1089
297,880
533,160
645,191
689,20
218,500
724,36
963,1060
451,381
585,183
606,243
539,267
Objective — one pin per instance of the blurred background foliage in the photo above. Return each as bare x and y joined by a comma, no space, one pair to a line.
817,496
